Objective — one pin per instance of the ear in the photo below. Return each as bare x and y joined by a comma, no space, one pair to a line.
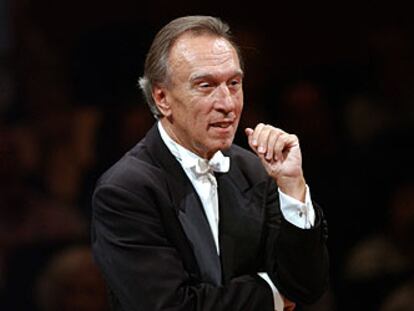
159,94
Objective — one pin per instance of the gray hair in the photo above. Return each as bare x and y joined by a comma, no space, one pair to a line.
156,63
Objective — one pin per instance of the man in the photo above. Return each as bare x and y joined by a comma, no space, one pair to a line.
188,221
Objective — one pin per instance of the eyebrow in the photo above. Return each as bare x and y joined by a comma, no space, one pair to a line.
201,76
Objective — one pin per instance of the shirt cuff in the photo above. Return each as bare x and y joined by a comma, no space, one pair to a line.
277,298
300,214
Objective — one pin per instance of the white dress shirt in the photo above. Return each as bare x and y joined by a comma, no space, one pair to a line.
299,214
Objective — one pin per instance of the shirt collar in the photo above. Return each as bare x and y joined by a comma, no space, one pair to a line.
188,159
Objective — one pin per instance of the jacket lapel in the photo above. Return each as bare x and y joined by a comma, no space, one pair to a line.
197,229
188,208
240,220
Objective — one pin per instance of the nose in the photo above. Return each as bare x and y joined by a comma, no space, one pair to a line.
224,100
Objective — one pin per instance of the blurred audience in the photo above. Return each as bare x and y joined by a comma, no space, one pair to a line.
401,299
69,107
384,260
71,282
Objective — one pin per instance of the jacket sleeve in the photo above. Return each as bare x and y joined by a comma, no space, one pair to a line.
296,259
145,271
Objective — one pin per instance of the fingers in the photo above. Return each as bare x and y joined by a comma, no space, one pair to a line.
249,132
270,142
284,142
258,138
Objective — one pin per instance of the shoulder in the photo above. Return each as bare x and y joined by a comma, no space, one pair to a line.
134,170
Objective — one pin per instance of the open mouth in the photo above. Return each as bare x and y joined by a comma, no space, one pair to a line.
222,124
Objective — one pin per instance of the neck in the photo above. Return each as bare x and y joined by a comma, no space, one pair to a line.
172,133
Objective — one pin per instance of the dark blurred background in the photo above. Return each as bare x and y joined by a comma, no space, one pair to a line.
340,75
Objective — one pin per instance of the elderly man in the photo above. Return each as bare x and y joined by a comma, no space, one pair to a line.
187,220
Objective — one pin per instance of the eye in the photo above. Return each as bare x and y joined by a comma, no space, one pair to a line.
235,83
204,85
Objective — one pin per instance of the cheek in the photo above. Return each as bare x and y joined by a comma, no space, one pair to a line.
239,106
200,111
240,100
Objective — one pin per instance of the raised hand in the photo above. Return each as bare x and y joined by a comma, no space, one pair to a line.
281,157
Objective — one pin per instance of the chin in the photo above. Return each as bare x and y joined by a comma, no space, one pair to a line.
224,144
214,145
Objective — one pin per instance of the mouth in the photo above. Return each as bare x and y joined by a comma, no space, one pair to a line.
222,129
222,125
225,124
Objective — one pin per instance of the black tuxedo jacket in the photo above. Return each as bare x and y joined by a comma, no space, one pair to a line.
153,243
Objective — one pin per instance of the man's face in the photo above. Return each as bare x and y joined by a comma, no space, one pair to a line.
203,99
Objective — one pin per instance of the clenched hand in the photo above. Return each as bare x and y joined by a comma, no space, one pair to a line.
281,156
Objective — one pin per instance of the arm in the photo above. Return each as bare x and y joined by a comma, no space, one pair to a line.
145,271
297,259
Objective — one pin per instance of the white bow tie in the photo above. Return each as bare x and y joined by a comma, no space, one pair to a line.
218,163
